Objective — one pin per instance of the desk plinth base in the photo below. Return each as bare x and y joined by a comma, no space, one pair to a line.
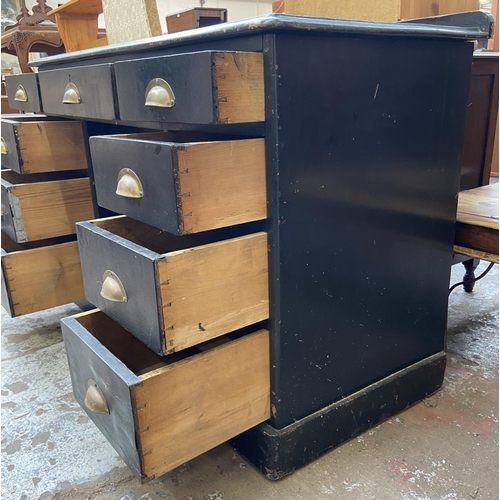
278,452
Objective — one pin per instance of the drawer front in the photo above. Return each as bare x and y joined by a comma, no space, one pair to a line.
34,279
182,297
38,145
11,158
83,92
23,92
181,188
41,210
198,88
146,405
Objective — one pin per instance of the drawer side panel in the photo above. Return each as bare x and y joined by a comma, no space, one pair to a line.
213,289
200,402
42,278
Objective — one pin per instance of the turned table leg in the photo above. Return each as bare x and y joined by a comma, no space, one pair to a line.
469,276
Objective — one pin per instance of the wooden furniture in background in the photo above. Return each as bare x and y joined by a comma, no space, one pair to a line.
127,21
495,160
477,223
77,23
195,18
375,10
482,112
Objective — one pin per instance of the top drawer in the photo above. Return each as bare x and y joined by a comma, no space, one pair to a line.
199,88
83,92
23,92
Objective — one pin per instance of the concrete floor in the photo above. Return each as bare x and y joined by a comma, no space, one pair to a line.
443,448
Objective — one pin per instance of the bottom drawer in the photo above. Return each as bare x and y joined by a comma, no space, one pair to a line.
159,412
40,275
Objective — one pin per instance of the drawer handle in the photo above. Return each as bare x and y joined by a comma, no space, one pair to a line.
94,399
159,94
71,94
21,95
129,185
112,288
4,146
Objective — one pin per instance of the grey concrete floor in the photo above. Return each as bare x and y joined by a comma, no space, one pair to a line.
444,448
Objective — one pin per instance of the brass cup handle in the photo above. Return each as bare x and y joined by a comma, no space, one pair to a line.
94,399
129,184
4,147
112,288
21,95
71,94
159,94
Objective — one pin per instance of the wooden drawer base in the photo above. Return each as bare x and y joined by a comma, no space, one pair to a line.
161,412
40,276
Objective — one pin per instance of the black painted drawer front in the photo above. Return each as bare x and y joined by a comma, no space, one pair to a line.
208,88
23,92
92,86
145,405
181,187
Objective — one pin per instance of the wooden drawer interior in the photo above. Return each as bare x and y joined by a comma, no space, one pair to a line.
192,288
177,407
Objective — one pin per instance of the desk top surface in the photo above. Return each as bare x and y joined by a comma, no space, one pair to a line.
479,206
468,26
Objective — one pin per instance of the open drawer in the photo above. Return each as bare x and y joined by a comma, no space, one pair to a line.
40,275
41,206
23,92
34,144
161,412
181,182
173,292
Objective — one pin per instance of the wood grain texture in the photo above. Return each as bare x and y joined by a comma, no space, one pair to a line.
477,219
238,86
375,10
213,289
220,184
496,157
413,9
41,278
479,206
476,254
48,209
189,407
49,146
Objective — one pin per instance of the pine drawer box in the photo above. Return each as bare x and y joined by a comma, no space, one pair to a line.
35,144
23,92
40,275
159,412
173,292
41,206
83,92
208,87
180,187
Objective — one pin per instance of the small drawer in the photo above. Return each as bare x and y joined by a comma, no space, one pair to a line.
40,275
23,92
159,412
34,144
199,88
41,206
180,187
83,92
173,292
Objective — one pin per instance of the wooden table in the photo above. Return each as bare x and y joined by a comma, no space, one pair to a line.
477,223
